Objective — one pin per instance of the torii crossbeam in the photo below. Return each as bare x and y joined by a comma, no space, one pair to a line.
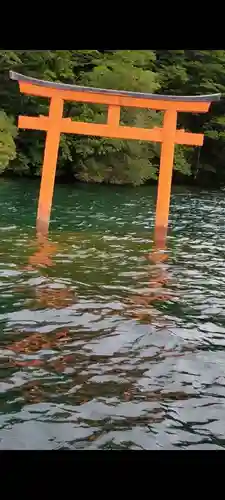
55,124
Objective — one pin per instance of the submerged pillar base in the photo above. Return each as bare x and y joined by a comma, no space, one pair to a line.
42,227
160,236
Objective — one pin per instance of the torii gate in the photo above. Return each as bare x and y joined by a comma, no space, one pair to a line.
55,124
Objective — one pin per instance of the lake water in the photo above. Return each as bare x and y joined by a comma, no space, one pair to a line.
103,346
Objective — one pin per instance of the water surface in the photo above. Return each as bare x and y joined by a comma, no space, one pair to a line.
103,345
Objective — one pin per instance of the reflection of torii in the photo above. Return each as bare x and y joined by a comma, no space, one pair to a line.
47,297
154,292
158,256
44,253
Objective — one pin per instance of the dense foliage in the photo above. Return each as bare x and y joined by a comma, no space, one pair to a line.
92,159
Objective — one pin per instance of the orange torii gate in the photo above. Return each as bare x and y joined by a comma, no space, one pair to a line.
55,124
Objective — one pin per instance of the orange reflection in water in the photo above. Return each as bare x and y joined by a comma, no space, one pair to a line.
43,256
45,296
49,295
37,341
141,304
55,298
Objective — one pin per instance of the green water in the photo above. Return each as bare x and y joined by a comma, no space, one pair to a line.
100,346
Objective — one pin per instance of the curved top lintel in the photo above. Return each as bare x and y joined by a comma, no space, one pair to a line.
140,95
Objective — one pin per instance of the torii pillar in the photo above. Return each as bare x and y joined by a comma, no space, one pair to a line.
55,124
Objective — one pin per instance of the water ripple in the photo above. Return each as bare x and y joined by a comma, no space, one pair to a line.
101,346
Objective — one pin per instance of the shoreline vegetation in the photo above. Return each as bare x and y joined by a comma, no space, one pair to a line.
111,161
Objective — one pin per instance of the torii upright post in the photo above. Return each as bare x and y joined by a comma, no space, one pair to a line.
54,124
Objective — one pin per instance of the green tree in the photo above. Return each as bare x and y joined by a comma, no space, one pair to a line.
193,72
93,159
110,160
8,132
